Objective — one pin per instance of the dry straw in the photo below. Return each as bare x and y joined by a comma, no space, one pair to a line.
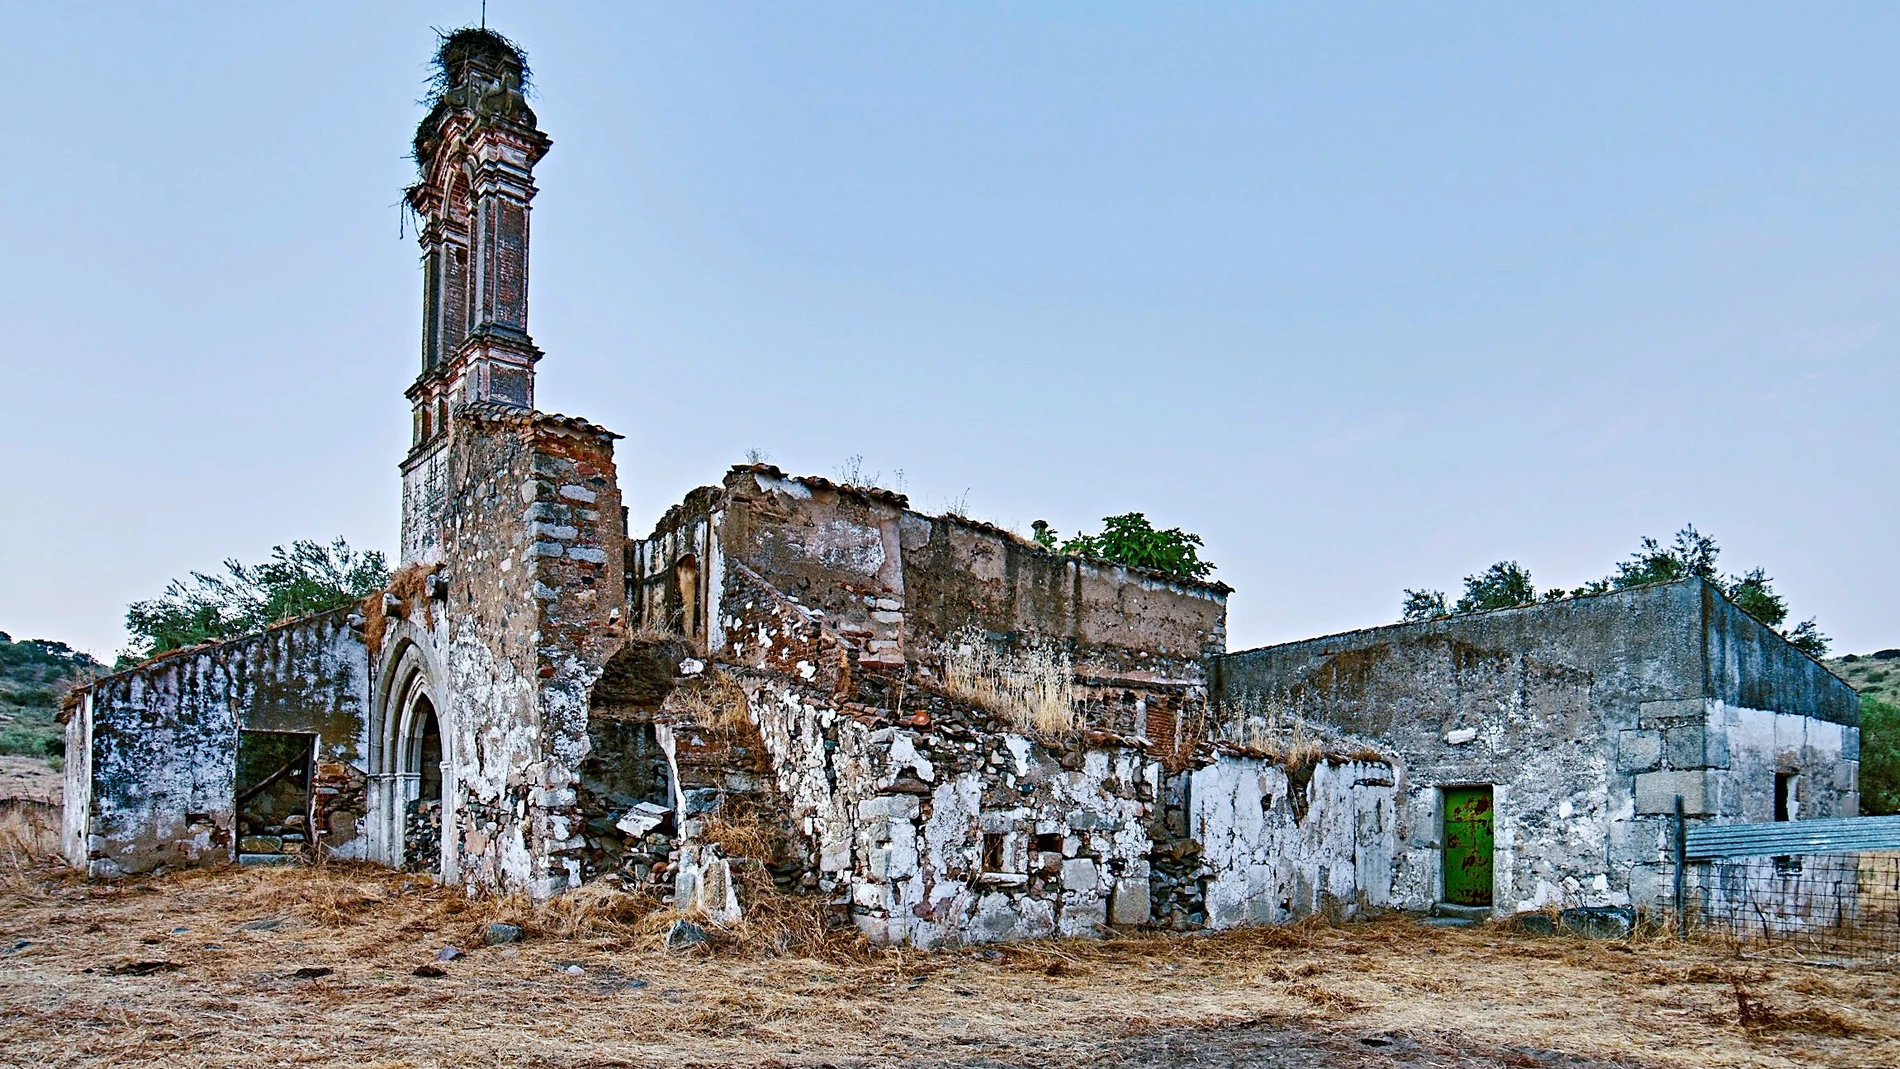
1031,686
228,947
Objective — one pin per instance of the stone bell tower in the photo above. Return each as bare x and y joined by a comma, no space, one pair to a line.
475,155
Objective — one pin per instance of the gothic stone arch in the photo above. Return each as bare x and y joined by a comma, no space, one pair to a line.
412,795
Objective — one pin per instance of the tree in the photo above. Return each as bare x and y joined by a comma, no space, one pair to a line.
1501,586
309,577
1751,593
1130,539
1808,638
1689,553
1424,605
1879,758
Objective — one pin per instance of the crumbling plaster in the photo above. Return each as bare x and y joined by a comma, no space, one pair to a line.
1589,716
156,745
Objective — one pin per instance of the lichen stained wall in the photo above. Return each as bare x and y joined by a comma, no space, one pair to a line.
932,819
160,743
1588,716
897,585
533,610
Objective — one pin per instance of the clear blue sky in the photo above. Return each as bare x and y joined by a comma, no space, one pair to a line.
1370,297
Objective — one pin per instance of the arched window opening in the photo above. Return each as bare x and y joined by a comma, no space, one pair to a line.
429,748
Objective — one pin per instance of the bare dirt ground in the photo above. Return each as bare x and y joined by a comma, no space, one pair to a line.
320,966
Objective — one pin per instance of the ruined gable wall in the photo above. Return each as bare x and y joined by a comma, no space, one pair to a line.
160,743
897,584
935,826
1769,710
1749,666
535,545
673,574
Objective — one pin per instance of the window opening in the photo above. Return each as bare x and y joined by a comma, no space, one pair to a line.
1787,802
993,851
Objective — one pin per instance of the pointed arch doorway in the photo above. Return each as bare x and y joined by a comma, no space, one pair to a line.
412,775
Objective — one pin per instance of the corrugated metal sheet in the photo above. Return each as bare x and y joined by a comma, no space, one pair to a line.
1790,837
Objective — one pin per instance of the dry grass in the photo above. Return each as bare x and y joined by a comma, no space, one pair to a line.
1279,728
202,969
1032,687
714,701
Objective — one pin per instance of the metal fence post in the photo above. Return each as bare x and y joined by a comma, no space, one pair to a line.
1682,864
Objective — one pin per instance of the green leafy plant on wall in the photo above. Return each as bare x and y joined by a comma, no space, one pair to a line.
1130,539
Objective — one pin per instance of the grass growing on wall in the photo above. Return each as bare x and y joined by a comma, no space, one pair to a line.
1032,686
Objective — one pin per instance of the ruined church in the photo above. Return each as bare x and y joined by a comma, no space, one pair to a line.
950,732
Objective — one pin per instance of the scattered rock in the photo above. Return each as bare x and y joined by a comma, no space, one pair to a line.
312,972
449,954
1533,923
430,971
1599,922
19,946
144,968
497,934
685,934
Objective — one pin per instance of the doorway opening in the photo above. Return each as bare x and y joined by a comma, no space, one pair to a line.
272,800
422,824
1468,845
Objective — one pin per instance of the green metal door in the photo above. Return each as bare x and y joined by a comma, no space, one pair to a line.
1468,846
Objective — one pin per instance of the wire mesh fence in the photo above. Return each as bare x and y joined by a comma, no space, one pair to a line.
1841,907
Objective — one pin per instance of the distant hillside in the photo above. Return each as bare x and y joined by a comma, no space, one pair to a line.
32,672
1875,675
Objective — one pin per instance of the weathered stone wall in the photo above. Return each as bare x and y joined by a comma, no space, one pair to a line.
1589,716
934,819
896,585
535,543
932,823
1279,844
157,745
882,574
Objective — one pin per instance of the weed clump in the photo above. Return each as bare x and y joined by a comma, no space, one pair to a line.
1032,686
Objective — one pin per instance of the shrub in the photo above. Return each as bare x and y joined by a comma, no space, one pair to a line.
1130,539
1879,757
